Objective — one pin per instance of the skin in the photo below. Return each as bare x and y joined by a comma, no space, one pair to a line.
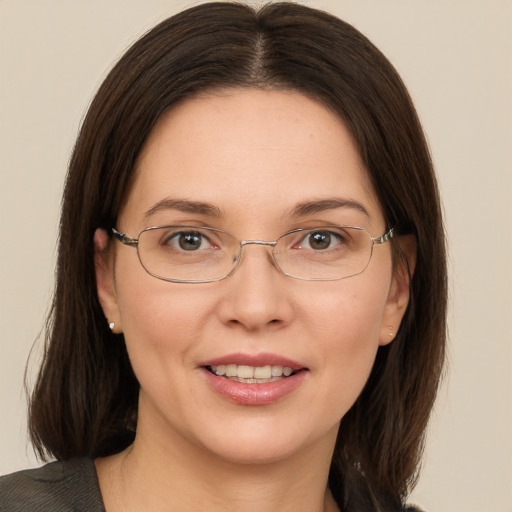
255,155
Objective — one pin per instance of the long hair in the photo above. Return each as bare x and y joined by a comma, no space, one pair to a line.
85,399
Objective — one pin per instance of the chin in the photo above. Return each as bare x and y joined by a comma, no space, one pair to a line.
256,453
258,445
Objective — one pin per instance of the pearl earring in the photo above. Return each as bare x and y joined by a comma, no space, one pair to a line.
111,325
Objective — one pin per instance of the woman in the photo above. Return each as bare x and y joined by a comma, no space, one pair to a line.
246,315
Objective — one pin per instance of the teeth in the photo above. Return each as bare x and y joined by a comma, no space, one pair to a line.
252,374
245,372
231,370
263,372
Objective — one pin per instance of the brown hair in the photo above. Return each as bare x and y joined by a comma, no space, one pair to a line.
85,399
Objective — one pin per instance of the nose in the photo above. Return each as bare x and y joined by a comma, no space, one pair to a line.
256,294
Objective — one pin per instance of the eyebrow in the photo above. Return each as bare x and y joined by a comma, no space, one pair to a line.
300,210
186,206
312,207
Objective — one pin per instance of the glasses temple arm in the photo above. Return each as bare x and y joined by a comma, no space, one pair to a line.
384,238
126,240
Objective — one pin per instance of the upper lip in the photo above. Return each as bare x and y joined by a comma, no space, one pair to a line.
263,359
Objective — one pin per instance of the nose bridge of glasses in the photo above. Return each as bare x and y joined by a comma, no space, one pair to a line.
243,243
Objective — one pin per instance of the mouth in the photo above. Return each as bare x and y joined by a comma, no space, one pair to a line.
251,374
254,379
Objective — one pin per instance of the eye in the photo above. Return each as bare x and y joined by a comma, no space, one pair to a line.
321,240
188,241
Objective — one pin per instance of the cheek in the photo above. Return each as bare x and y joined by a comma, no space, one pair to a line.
350,315
345,331
160,320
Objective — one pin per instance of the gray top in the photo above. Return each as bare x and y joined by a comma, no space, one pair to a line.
70,486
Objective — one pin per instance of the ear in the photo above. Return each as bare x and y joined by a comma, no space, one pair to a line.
399,291
105,282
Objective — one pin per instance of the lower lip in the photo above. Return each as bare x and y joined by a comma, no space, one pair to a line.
255,394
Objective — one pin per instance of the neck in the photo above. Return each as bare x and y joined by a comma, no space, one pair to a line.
176,475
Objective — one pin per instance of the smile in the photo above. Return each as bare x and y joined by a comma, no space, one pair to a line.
254,379
251,374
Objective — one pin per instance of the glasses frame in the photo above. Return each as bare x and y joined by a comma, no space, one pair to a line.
134,242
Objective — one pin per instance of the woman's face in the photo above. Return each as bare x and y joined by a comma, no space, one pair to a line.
255,164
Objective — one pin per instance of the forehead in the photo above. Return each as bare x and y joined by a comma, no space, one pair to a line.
249,152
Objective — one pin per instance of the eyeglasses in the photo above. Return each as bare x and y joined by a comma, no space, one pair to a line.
190,254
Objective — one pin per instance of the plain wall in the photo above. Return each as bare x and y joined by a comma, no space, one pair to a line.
455,57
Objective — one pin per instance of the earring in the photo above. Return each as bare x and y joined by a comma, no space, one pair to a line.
111,325
391,333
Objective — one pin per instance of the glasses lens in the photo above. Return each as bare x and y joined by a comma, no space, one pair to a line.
187,253
330,252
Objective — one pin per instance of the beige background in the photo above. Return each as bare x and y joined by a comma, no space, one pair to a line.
455,56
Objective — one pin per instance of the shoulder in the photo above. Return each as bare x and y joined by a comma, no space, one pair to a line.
57,486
